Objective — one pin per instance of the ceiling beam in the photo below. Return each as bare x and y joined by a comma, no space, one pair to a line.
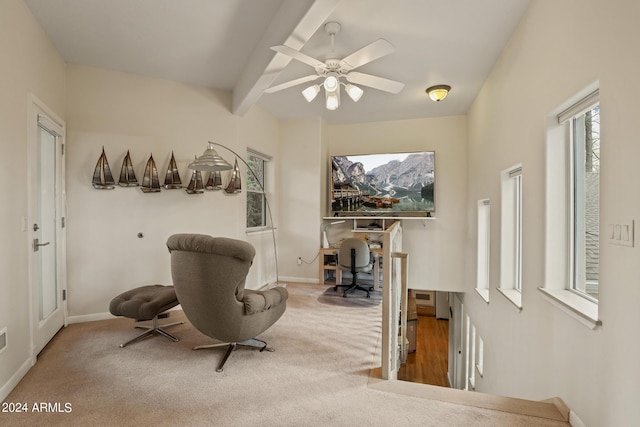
294,24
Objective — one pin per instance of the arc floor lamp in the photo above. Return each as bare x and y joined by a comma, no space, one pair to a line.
211,161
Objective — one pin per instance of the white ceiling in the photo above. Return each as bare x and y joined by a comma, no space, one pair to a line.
224,44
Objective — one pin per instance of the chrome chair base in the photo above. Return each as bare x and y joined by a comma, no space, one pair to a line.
154,329
251,343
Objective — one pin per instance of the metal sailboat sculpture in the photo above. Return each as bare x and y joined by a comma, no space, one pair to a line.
150,181
172,179
102,177
235,183
195,185
214,182
127,174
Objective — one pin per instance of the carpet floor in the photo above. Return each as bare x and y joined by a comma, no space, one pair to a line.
317,376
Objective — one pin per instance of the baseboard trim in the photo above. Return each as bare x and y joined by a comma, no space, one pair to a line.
15,379
575,421
299,280
83,318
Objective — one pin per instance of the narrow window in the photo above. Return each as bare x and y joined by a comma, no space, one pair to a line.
256,197
511,235
516,176
572,235
483,249
585,137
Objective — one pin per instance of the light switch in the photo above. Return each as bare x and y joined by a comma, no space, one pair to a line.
621,233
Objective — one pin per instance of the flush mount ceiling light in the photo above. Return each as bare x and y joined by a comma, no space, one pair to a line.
339,72
438,92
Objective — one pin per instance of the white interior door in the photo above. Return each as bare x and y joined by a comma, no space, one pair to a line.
47,238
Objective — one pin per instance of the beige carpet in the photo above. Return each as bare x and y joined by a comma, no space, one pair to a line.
316,377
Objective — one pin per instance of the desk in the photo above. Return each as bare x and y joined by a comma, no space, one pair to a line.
328,261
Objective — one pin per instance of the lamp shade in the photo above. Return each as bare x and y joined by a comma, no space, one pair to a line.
354,92
439,92
311,92
211,161
333,100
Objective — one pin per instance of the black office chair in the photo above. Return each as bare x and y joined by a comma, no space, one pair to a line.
354,257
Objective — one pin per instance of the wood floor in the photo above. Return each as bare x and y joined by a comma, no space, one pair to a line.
429,363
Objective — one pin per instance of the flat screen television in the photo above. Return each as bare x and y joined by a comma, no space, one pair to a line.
394,184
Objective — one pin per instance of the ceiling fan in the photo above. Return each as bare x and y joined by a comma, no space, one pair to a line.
336,71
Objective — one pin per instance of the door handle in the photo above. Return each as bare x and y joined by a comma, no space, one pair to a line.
37,244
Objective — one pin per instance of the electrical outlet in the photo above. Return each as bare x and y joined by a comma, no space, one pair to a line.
299,260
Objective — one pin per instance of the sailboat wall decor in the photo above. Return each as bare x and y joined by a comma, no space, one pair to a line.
214,182
102,177
127,174
235,183
195,185
150,181
172,179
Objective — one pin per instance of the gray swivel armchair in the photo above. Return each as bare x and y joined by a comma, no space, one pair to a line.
209,277
354,257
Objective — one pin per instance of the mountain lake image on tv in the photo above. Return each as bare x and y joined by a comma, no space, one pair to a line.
399,184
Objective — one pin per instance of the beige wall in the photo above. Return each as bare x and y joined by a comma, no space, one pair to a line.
559,49
30,64
149,116
435,246
300,184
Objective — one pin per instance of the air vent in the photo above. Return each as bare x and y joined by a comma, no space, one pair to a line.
3,339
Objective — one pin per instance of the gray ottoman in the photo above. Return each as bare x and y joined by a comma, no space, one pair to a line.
146,303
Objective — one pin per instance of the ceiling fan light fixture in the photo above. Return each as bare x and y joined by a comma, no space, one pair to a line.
331,84
311,92
439,92
332,100
354,92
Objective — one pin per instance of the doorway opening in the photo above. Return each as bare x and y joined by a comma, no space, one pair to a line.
428,335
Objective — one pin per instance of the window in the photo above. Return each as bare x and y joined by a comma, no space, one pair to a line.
511,235
256,197
585,198
484,248
572,237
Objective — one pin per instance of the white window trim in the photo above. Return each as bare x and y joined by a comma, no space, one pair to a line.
558,211
576,306
510,261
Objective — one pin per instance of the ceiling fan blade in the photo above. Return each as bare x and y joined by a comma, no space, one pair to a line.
375,82
291,83
370,52
305,59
